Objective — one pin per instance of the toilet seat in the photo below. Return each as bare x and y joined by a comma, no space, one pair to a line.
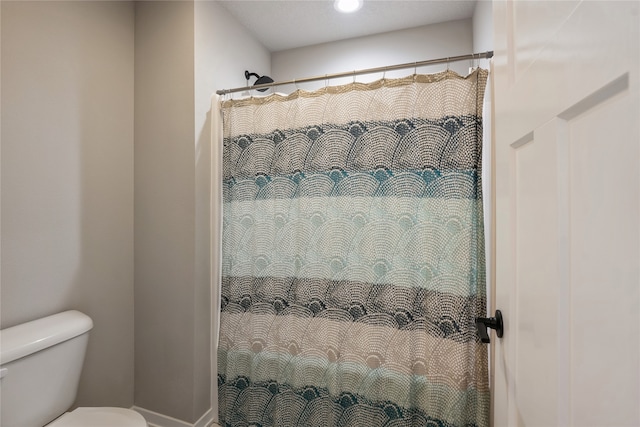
100,417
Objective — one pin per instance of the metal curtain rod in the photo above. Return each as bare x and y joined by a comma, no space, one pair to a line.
487,54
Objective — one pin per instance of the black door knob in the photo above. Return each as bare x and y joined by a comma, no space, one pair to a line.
482,323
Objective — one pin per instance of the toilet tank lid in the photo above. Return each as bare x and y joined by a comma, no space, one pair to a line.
30,337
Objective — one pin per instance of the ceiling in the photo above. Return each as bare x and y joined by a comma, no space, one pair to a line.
287,24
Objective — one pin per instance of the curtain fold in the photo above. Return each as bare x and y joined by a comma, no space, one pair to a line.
353,263
216,242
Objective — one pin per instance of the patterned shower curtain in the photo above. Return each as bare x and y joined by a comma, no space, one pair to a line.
353,256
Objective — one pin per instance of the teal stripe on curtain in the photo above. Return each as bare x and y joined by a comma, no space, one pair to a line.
353,262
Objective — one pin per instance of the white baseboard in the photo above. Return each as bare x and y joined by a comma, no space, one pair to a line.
158,420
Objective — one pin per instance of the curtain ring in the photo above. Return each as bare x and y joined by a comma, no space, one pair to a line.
447,63
354,76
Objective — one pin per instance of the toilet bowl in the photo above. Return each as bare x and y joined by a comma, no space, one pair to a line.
99,417
40,366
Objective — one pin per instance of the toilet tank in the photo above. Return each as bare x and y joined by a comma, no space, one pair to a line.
40,365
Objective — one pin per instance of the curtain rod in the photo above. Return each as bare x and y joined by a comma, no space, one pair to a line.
487,54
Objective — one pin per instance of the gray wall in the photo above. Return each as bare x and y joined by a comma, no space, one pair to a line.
67,178
483,29
165,293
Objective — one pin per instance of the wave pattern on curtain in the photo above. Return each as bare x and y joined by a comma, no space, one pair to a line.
353,256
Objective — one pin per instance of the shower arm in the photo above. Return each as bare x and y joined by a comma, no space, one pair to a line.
247,75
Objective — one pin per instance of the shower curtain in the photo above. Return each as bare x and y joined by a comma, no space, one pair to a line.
353,263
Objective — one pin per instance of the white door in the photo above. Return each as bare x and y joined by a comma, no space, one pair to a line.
567,185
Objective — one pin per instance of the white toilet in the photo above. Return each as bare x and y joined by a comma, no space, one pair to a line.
40,365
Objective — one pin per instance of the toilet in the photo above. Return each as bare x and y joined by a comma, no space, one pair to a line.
40,365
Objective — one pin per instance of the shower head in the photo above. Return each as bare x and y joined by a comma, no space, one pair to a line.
260,80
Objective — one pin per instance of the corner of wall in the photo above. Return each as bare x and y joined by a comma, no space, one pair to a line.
168,318
483,26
